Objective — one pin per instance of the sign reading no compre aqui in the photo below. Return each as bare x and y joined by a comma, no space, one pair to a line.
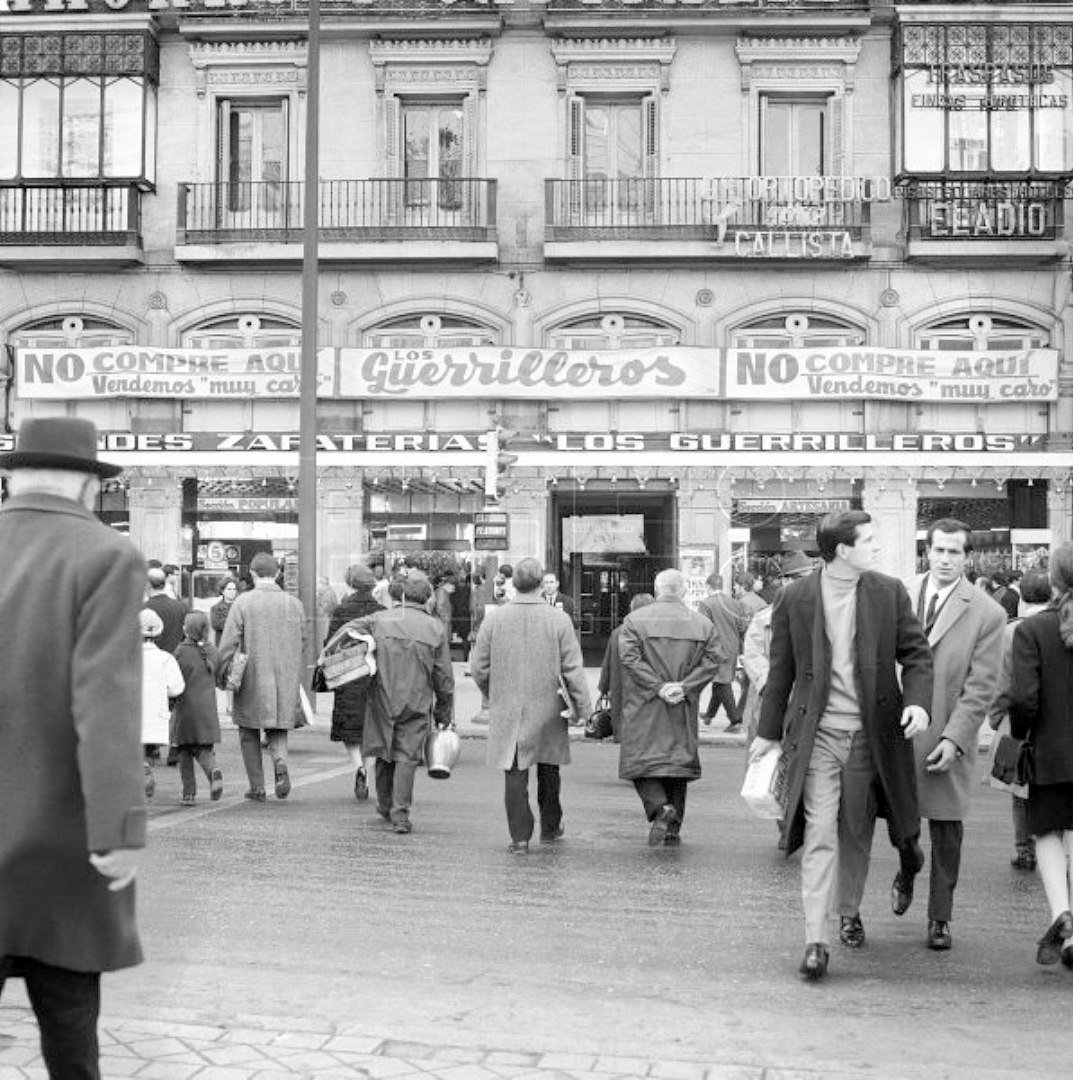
134,371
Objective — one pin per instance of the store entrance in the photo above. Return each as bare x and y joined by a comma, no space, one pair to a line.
606,547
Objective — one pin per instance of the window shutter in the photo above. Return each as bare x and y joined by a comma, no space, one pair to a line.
469,136
650,137
575,156
837,142
392,137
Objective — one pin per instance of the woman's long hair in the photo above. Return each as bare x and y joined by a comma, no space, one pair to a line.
1062,580
196,629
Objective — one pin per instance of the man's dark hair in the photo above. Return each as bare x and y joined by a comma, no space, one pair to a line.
506,570
416,590
952,525
264,565
528,575
714,581
999,577
839,528
1036,587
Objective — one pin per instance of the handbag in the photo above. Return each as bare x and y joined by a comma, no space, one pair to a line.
346,657
598,725
1012,765
236,670
764,788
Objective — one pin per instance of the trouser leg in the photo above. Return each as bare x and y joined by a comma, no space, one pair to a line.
945,864
67,1005
856,824
206,758
277,744
402,789
385,786
516,800
819,855
654,795
186,772
549,803
723,694
250,743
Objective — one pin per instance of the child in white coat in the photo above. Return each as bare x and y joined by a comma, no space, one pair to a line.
161,682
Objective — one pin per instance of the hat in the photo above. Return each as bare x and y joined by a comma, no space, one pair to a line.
794,564
58,442
151,623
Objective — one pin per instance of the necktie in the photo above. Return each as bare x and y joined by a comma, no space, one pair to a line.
929,619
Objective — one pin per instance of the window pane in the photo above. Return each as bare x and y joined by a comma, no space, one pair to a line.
628,141
924,137
1054,127
597,142
1010,139
150,134
810,161
450,142
40,129
123,128
777,119
968,130
81,128
9,129
273,144
416,133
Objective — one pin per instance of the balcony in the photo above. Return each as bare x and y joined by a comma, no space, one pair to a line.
984,221
358,221
60,224
725,219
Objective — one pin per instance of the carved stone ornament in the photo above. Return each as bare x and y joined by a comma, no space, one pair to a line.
890,298
458,63
248,63
614,62
808,59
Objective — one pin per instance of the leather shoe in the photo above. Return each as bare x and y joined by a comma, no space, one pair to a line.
1023,860
664,819
673,840
1067,956
283,780
814,966
939,935
551,835
901,893
1050,945
518,847
851,931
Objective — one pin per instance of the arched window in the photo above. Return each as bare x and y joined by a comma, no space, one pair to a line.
797,330
71,332
429,332
244,332
613,331
981,332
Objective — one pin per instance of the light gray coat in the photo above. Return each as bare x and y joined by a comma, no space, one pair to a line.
522,651
269,625
966,644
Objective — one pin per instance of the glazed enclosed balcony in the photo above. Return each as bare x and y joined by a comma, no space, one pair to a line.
65,224
394,220
724,219
984,221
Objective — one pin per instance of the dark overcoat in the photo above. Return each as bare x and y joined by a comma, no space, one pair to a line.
71,771
348,708
799,678
660,643
195,721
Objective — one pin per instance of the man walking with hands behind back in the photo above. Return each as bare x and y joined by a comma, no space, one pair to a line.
525,651
72,807
833,698
964,629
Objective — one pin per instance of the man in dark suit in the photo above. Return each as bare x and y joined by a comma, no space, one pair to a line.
731,619
550,591
838,637
72,805
172,612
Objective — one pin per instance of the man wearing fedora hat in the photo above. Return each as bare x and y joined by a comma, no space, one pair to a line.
71,776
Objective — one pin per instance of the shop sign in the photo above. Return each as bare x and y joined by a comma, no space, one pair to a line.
242,505
123,371
793,245
491,530
850,374
791,506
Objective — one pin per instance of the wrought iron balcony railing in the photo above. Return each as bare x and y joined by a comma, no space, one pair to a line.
687,208
64,213
981,210
397,209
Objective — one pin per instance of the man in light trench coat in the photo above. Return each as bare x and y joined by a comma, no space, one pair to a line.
964,628
525,651
72,804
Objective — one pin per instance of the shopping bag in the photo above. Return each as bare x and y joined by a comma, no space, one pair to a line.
764,782
236,670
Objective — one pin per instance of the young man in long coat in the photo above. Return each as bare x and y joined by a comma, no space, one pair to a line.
413,689
525,651
964,628
72,805
834,701
269,626
669,654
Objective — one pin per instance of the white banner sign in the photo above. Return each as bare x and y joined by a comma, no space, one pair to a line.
124,371
852,373
494,372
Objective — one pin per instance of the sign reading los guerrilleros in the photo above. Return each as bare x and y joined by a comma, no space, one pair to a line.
197,7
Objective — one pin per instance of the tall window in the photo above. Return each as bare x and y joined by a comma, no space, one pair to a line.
434,153
253,154
794,134
78,107
987,98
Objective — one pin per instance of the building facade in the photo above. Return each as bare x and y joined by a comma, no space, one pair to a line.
709,268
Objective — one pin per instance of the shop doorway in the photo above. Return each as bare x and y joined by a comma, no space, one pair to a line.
607,547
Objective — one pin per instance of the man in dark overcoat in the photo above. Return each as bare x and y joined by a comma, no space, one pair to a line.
72,803
834,701
669,654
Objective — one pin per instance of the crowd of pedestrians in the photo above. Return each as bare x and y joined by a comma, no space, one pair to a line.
872,689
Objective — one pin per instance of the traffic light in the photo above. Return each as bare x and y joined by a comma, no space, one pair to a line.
498,461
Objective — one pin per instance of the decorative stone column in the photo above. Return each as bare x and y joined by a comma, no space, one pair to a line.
340,520
704,516
526,504
892,502
155,502
1060,511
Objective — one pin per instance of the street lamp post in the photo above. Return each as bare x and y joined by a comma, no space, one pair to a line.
307,442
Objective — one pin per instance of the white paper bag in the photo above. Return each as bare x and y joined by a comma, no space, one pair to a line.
308,714
760,789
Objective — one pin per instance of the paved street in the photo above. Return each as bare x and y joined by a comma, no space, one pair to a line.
306,938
